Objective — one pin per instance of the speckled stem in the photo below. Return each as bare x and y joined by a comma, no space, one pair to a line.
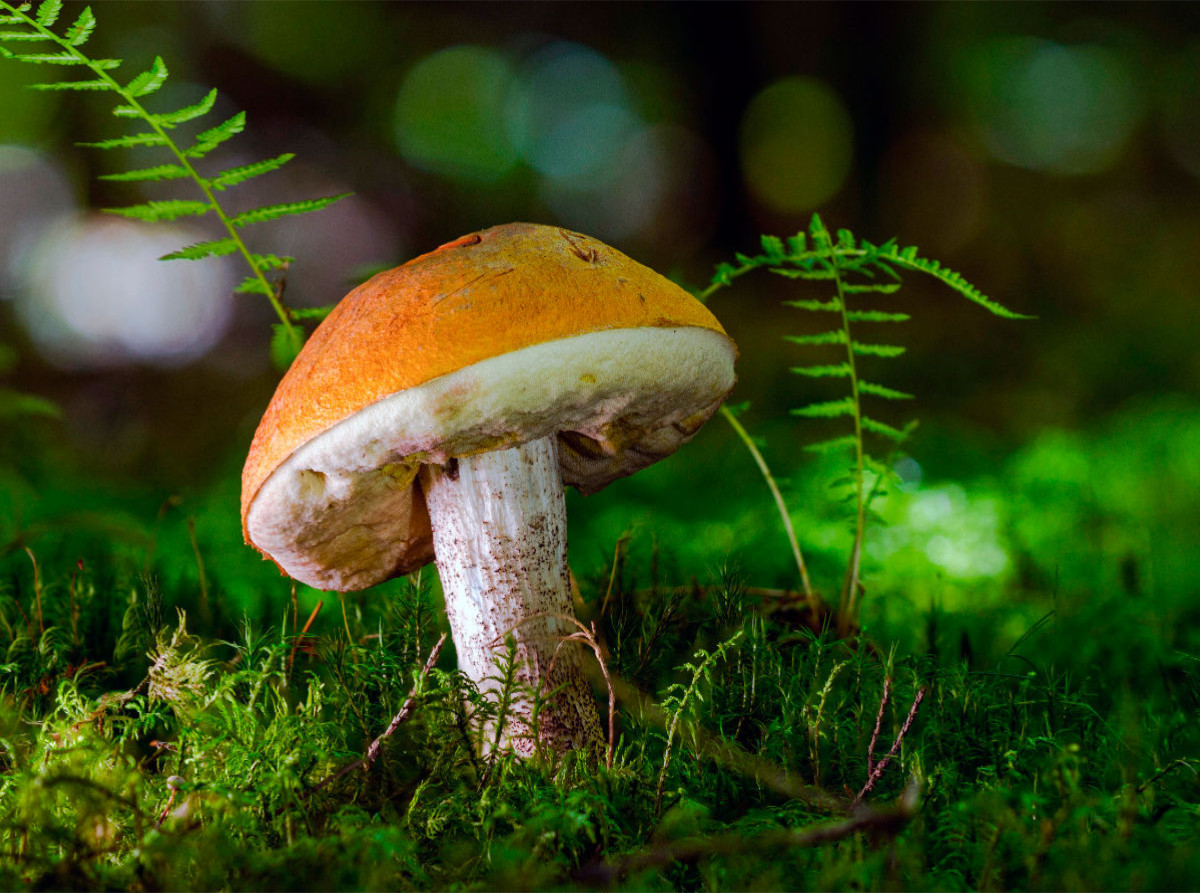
500,536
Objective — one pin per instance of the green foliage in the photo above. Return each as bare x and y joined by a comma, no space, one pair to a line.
857,269
37,28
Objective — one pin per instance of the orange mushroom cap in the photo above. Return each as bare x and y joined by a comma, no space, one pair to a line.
497,338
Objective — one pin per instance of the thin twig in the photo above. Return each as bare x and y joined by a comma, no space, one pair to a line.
879,822
883,702
877,769
376,747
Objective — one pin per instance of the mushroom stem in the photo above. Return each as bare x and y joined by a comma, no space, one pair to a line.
500,536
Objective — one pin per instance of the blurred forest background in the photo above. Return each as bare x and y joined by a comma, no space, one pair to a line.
1049,152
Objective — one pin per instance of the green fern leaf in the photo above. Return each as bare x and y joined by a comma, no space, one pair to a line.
878,390
840,370
252,285
162,210
150,80
200,250
73,85
210,139
810,268
873,288
27,36
830,409
773,247
876,316
148,174
77,35
847,441
832,305
236,175
876,350
835,337
64,58
47,12
884,430
322,312
797,244
845,240
271,261
819,234
272,212
285,345
189,113
125,142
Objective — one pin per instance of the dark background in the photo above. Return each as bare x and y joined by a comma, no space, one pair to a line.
1050,152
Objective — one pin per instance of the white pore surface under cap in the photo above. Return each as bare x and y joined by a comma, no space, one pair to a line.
340,512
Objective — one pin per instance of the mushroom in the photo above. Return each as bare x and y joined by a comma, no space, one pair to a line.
440,409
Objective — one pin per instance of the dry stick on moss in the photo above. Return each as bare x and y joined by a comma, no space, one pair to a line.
885,822
405,712
731,756
875,770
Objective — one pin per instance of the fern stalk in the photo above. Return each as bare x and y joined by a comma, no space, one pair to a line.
848,604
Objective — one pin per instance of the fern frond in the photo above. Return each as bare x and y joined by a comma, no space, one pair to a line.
830,409
807,268
47,12
878,390
77,35
840,370
189,113
833,444
252,285
884,430
833,305
773,247
148,174
875,288
200,250
73,85
835,337
148,81
236,175
64,58
876,316
272,212
876,350
125,142
271,261
213,137
162,210
26,36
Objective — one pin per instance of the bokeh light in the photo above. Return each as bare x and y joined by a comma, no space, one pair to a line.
571,114
1048,107
450,114
97,296
1178,97
796,145
33,192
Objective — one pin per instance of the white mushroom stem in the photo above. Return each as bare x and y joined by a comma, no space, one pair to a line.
500,536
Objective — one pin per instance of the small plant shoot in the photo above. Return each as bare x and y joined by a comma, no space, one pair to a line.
25,26
858,271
